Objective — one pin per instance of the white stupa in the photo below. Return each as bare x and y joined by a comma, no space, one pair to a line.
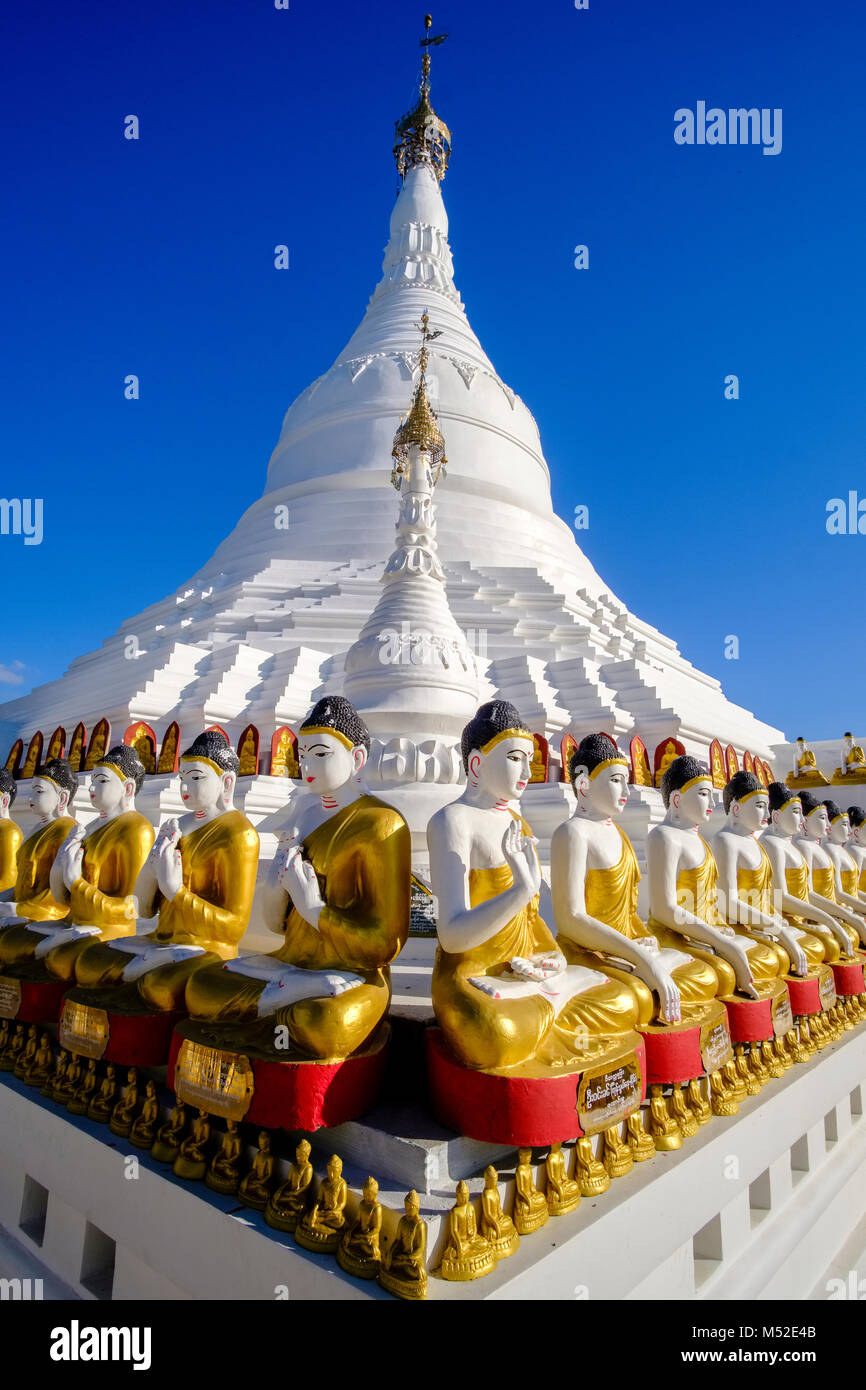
264,628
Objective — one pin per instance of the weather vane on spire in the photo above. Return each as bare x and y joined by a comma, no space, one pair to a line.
420,426
422,138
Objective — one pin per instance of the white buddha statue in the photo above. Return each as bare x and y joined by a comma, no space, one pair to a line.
814,845
11,836
30,899
857,844
847,874
791,874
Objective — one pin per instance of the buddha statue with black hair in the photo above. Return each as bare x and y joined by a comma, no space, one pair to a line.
595,877
504,995
857,844
94,872
30,898
853,763
338,892
805,772
11,835
836,845
199,877
813,844
791,873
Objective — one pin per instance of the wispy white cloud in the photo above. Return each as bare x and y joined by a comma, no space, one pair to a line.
11,675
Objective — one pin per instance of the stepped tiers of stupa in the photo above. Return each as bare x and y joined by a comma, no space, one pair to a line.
272,621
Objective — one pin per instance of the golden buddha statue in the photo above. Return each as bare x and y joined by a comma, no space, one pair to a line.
338,892
590,1173
42,1064
853,768
254,1190
561,1191
98,744
671,751
284,763
223,1174
5,1032
25,1057
359,1252
503,993
857,848
199,877
664,1130
124,1111
191,1161
640,1142
168,751
497,1229
805,773
320,1228
53,1087
792,870
104,1101
467,1255
11,836
170,1135
30,898
530,1206
248,753
287,1205
70,1082
404,1271
143,1131
538,765
79,1103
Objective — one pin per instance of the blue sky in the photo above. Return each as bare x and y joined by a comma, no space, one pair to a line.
259,126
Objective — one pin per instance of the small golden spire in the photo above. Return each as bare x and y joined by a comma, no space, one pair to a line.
420,425
422,138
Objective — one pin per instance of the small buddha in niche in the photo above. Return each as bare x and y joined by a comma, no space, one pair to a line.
530,1206
11,836
254,1190
497,1229
320,1227
668,756
288,1204
404,1271
359,1252
30,898
223,1175
467,1255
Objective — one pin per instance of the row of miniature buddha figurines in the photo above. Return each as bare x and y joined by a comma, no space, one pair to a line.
506,992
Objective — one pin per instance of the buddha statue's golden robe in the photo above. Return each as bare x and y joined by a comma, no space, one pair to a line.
755,887
611,897
497,1034
31,891
11,837
797,884
113,856
210,910
824,884
362,859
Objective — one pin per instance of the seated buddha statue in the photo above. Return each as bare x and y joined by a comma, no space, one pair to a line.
79,1103
30,898
805,773
853,762
143,1131
126,1108
404,1269
529,1212
104,1101
28,1052
255,1188
223,1174
191,1161
359,1251
199,877
504,995
338,892
288,1204
857,844
812,843
467,1254
320,1228
42,1064
561,1191
11,836
70,1081
836,846
667,758
497,1229
791,869
53,1087
169,1136
93,873
594,880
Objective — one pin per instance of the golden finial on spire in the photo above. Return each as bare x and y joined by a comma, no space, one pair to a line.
422,138
420,425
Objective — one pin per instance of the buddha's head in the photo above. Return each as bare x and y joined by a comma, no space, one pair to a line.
53,789
302,1152
115,780
491,1177
497,749
598,771
109,1070
62,1057
839,828
371,1190
149,1090
8,791
747,803
31,1032
264,1141
333,745
848,741
412,1203
687,792
44,1042
335,1167
786,809
131,1075
462,1193
524,1156
857,821
232,1126
815,819
202,1114
208,773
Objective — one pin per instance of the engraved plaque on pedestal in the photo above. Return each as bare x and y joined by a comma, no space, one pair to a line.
607,1095
83,1029
10,997
827,988
783,1019
716,1047
221,1083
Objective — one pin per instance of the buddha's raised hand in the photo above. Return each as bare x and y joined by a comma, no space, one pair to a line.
168,863
298,878
653,972
520,855
71,855
737,955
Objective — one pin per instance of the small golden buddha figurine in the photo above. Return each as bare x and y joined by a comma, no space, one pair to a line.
191,1161
5,1033
639,1141
30,899
590,1173
503,993
562,1192
497,1229
255,1189
404,1271
43,1063
143,1131
287,1205
199,878
338,891
682,1114
104,1101
11,836
70,1082
616,1154
853,762
17,1039
670,753
359,1251
125,1110
79,1103
224,1173
25,1057
467,1255
321,1226
530,1206
664,1130
805,772
170,1135
52,1086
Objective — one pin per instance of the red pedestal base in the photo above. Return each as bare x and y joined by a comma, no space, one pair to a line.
677,1055
521,1110
849,977
811,995
758,1020
38,1001
299,1095
132,1040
